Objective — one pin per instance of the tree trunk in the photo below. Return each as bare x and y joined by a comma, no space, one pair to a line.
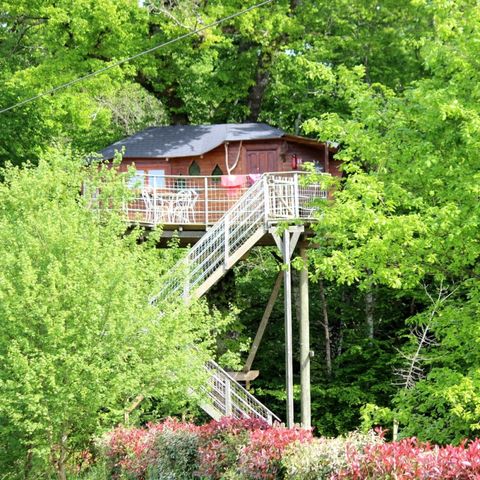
326,329
61,462
255,95
369,310
296,293
346,302
28,463
298,122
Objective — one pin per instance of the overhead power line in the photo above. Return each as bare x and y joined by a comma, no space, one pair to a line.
133,57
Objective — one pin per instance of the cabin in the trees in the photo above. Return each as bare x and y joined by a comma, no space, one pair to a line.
191,174
227,188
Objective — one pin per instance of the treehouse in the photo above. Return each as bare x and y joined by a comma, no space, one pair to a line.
225,189
188,176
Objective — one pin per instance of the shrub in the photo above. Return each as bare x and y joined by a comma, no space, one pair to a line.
250,449
320,458
176,453
261,456
220,444
411,460
130,451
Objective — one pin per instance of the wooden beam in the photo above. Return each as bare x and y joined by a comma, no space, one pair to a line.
263,322
295,230
136,402
244,376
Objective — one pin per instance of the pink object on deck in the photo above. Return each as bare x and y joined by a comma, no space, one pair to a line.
254,177
232,181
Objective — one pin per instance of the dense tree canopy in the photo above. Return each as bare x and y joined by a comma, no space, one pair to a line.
395,277
272,64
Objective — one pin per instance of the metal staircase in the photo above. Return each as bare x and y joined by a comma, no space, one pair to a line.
274,198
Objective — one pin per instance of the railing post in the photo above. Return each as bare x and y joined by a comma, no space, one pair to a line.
266,199
226,240
155,205
205,186
228,397
186,287
296,198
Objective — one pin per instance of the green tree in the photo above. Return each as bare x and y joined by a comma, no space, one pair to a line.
406,215
271,64
79,339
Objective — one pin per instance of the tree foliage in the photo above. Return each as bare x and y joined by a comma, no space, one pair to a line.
79,339
395,83
407,213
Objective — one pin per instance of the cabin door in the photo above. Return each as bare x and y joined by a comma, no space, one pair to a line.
261,161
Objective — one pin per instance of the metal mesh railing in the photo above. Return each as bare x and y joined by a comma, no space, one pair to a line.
275,197
225,238
231,399
190,200
183,200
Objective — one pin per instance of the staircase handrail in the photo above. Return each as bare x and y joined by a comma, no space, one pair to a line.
251,406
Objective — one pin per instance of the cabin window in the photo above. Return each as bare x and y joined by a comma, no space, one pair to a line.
156,178
180,183
216,173
137,180
194,169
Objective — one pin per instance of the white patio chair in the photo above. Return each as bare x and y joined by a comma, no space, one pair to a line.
182,209
149,208
156,207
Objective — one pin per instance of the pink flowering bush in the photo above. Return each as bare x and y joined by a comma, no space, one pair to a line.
132,451
251,449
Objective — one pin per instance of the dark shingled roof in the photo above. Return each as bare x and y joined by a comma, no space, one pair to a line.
188,140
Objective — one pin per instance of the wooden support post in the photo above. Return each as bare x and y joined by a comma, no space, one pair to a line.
287,246
263,323
304,342
288,327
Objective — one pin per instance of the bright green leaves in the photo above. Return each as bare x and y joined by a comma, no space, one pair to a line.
79,338
407,214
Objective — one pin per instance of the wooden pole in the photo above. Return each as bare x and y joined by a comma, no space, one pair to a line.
288,327
263,323
306,411
286,247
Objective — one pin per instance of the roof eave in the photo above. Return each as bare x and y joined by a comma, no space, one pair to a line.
332,147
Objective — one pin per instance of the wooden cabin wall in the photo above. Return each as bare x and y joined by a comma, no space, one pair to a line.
280,150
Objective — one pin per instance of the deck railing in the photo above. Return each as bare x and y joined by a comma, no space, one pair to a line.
274,198
203,200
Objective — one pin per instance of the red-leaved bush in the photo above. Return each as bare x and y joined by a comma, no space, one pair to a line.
220,444
261,456
130,451
251,449
409,459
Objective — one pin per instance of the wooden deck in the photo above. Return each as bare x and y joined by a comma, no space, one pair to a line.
186,207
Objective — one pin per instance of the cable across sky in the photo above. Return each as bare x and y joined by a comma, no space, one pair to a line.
133,57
